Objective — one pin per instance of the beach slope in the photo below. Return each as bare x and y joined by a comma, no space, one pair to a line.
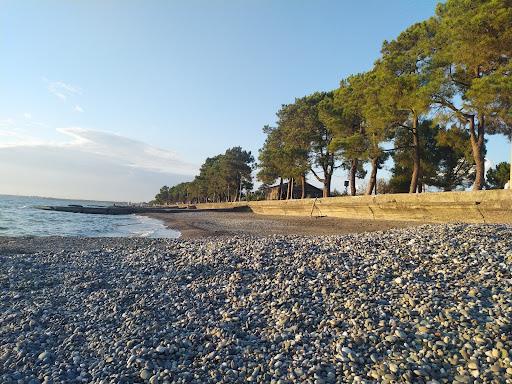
210,223
422,304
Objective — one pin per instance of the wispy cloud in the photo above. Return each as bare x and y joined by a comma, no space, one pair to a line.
87,163
127,151
78,108
15,132
61,89
114,148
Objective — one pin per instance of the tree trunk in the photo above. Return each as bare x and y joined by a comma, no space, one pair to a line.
303,186
292,182
353,171
288,189
416,157
372,183
477,148
240,190
327,185
280,188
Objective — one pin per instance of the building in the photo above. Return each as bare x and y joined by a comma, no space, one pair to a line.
272,192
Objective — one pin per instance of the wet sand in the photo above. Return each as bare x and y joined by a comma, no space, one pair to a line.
205,224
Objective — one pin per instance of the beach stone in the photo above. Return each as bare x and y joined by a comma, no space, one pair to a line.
161,349
145,374
259,309
45,355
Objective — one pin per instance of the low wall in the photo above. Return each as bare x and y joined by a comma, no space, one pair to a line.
471,207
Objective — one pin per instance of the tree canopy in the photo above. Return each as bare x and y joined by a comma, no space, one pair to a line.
429,101
225,177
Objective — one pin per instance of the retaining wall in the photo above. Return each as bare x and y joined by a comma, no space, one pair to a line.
471,207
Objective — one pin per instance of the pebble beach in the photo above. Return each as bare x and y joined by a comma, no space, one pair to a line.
426,304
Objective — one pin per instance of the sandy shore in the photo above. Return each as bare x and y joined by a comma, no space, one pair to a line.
203,224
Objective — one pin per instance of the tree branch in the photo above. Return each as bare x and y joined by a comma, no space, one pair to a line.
397,148
447,104
317,177
457,81
406,127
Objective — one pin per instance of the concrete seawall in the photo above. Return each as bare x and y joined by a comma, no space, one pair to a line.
469,207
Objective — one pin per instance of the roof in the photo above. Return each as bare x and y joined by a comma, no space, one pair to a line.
295,185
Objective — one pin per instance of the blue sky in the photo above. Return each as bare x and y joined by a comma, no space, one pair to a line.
174,81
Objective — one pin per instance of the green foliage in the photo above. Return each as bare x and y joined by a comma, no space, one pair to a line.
177,193
471,62
221,178
498,176
406,86
299,143
446,160
271,157
456,164
474,36
454,67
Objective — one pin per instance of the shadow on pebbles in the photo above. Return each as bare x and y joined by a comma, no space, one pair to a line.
429,304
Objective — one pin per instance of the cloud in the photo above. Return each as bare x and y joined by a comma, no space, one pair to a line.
6,122
61,89
124,150
87,164
27,115
66,173
78,108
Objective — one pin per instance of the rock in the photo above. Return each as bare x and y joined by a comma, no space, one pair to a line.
45,355
274,309
145,374
401,334
161,349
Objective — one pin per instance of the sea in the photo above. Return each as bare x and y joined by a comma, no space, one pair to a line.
20,217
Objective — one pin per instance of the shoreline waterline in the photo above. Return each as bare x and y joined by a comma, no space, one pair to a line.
20,217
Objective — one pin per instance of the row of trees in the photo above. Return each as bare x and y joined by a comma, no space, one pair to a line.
225,177
429,102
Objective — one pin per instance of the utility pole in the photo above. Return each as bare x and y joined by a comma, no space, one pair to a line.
510,176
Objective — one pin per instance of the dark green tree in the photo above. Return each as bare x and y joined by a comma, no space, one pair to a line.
472,60
498,176
456,167
406,88
162,197
404,163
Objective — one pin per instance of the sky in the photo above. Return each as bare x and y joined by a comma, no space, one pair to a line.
110,100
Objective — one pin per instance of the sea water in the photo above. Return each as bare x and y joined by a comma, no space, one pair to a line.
20,217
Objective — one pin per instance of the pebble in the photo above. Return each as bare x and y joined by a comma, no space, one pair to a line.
145,374
428,304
